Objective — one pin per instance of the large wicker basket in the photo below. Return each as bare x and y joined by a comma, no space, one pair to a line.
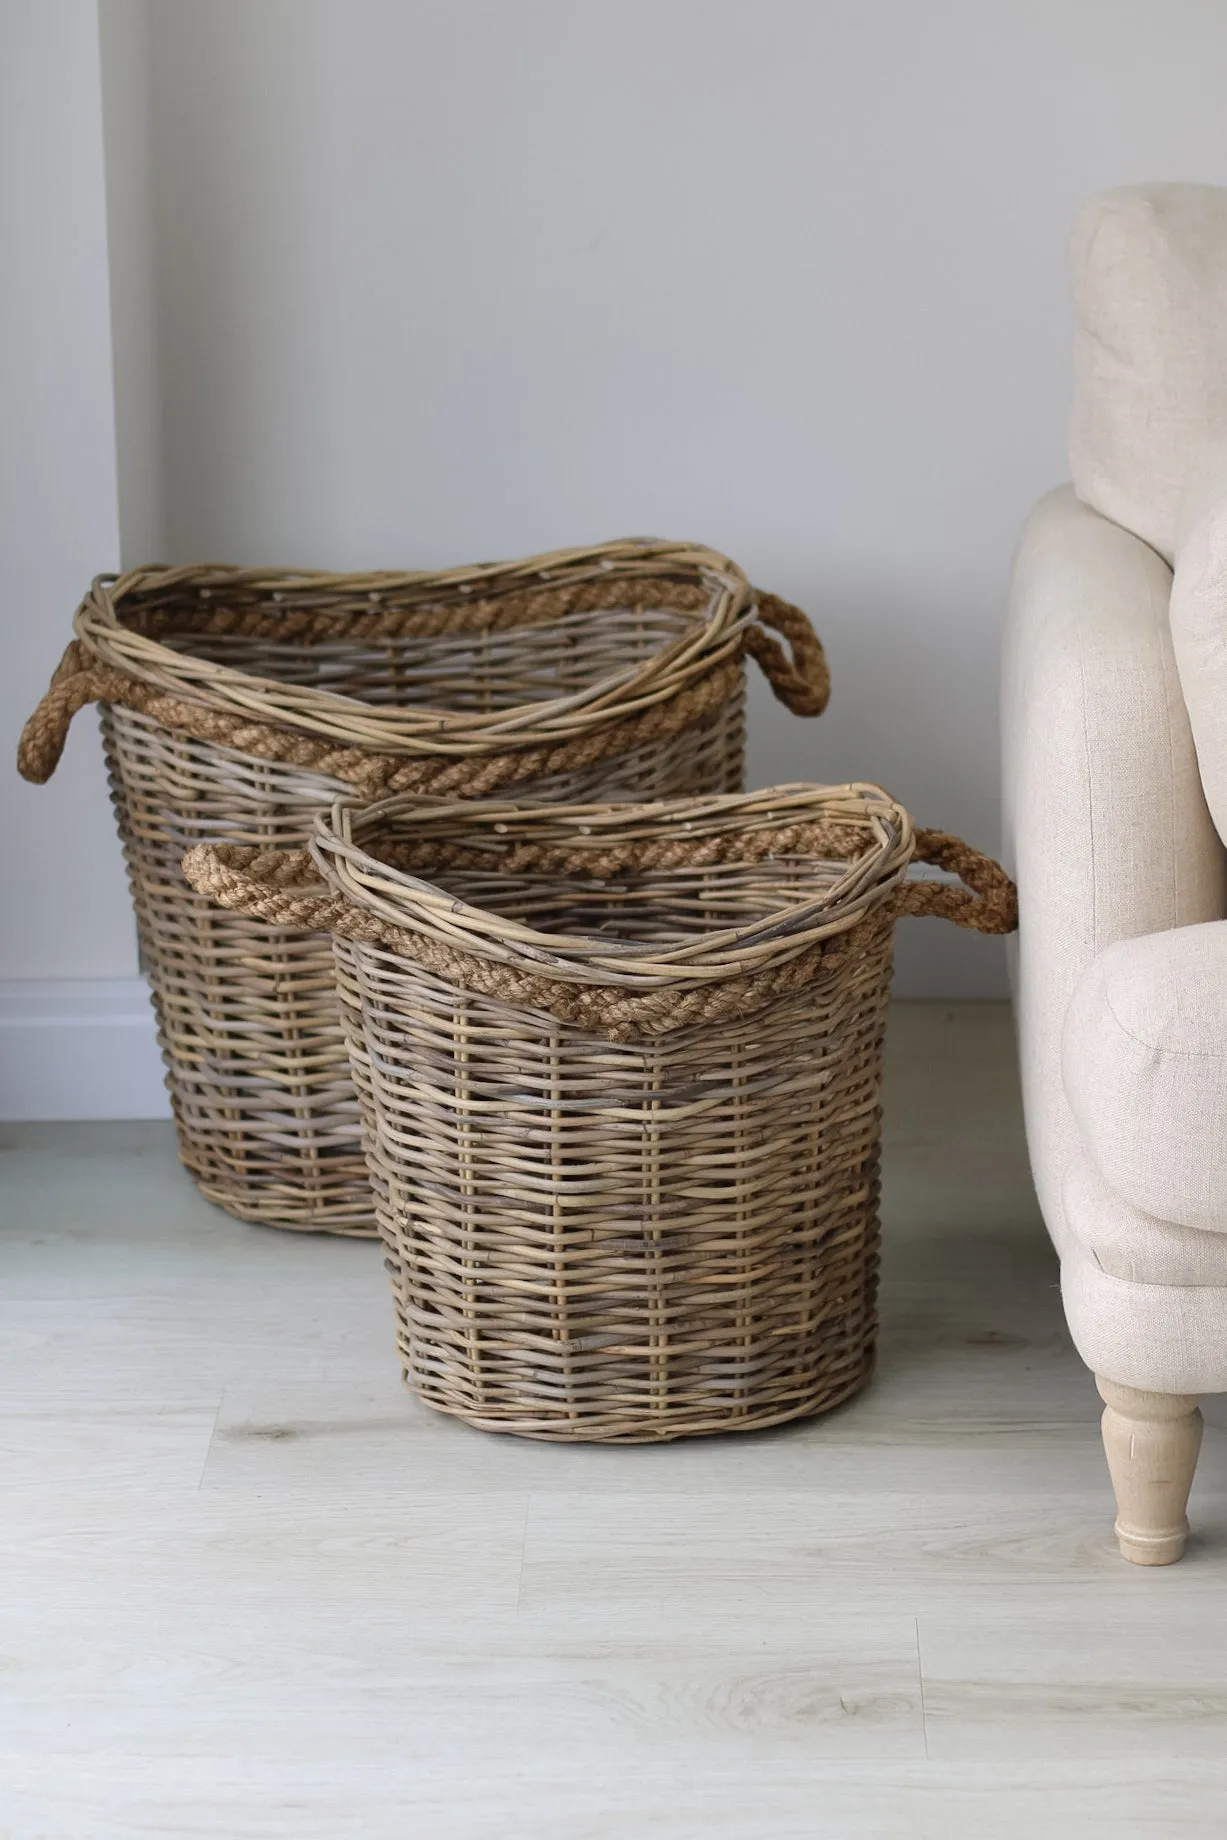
236,704
621,1072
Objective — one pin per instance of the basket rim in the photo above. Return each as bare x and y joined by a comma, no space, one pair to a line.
878,831
712,635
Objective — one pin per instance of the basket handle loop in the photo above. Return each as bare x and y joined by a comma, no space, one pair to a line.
988,903
802,682
75,682
282,887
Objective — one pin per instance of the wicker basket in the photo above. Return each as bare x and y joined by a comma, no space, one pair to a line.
237,704
621,1072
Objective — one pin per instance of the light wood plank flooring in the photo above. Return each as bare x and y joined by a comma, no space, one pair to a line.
248,1588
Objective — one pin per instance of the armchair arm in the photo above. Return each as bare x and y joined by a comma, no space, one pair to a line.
1106,823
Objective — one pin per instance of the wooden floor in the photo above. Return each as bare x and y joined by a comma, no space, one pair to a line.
249,1588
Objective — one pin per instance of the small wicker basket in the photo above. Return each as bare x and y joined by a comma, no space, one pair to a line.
237,703
620,1068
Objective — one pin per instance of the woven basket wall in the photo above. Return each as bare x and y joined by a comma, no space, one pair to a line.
621,1069
237,704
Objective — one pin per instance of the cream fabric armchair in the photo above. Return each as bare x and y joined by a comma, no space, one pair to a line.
1115,733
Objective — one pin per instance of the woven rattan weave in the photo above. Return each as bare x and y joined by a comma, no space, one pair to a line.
621,1071
236,704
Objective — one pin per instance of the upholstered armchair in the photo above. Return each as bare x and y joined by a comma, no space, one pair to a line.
1115,726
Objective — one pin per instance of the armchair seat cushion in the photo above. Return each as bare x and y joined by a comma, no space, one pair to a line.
1122,1241
1145,1071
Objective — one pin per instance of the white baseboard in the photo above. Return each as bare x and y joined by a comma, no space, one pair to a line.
78,1048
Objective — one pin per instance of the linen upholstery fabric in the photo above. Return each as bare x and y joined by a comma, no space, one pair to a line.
1199,619
1107,827
1149,270
1140,1248
1145,1064
1163,1338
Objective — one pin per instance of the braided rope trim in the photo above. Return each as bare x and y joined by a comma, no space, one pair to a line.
373,775
283,889
433,855
490,598
380,751
150,611
220,871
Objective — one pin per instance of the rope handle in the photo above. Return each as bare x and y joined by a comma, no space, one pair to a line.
988,903
802,682
76,681
282,887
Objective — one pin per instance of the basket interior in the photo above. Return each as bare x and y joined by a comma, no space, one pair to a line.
664,906
397,654
571,895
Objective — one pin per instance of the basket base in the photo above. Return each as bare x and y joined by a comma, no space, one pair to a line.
823,1400
286,1217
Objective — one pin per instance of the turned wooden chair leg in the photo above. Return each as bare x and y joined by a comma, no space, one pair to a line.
1152,1441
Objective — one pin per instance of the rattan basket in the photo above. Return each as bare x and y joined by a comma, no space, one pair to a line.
236,704
621,1072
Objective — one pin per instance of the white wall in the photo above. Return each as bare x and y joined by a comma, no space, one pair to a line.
63,902
74,1023
466,278
125,33
447,279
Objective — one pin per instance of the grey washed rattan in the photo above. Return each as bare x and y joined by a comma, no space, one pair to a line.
238,703
620,1067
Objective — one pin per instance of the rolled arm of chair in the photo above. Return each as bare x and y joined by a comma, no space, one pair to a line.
1107,830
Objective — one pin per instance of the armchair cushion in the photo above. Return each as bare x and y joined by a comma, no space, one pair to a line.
1145,1070
1164,1338
1140,1248
1150,349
